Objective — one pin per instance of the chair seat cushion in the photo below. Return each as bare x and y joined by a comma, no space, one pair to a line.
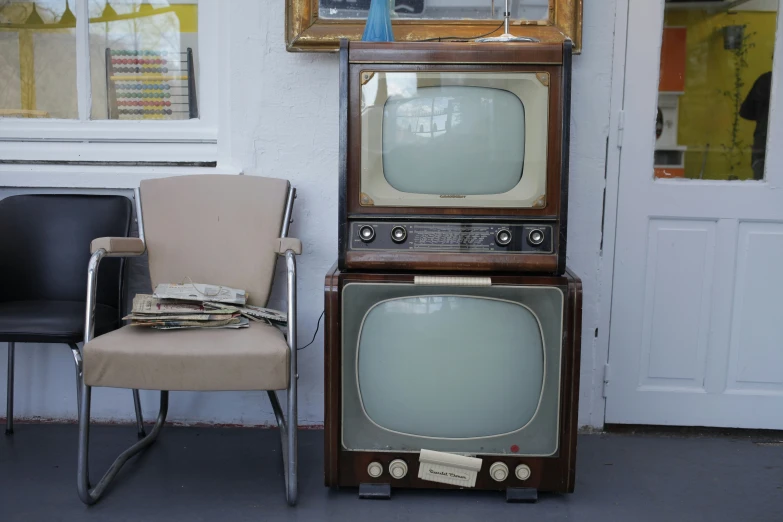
254,358
51,321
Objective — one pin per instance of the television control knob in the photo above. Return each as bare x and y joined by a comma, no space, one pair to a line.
398,468
535,237
503,237
375,469
366,233
522,472
498,471
399,234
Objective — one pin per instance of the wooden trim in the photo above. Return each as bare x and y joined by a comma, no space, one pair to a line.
305,31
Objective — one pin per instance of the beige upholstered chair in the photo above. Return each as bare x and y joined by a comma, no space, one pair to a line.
215,229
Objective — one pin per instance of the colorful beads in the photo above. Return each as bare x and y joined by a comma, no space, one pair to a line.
162,112
139,61
118,52
139,103
144,86
143,69
144,94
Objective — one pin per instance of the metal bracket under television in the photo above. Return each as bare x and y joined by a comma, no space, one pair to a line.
454,156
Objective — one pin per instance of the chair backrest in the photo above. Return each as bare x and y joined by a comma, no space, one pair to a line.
214,229
45,246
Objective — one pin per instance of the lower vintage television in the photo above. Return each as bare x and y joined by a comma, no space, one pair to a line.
454,156
485,367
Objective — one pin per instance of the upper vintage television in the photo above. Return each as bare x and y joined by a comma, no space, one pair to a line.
473,377
454,155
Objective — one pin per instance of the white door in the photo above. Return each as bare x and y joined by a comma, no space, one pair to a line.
696,334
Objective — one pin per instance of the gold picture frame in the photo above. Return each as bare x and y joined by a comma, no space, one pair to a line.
305,31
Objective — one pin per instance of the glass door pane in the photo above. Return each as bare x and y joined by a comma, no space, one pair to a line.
714,91
144,59
37,59
440,9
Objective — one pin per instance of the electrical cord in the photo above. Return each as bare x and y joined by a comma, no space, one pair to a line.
466,38
317,326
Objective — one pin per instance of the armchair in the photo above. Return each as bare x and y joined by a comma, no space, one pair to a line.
217,229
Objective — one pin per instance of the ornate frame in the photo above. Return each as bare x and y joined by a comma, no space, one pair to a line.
305,31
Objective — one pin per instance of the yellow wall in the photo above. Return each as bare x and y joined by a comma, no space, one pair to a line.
705,113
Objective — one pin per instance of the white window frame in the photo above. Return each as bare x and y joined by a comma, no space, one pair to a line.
201,142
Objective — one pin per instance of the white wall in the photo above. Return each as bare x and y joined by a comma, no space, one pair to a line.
284,124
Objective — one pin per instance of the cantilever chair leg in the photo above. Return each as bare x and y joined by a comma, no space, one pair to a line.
92,495
9,399
139,419
288,427
288,439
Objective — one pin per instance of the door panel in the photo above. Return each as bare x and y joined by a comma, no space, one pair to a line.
674,333
756,349
696,333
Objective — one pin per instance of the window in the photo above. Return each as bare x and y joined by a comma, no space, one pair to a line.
317,25
121,81
714,91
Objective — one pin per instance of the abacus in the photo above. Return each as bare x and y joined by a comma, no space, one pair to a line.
149,85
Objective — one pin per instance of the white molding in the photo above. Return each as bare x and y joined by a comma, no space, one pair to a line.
108,152
75,176
105,130
606,261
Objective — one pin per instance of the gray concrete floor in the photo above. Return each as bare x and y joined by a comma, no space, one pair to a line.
228,474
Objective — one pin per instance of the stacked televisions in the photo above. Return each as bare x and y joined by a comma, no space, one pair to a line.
452,324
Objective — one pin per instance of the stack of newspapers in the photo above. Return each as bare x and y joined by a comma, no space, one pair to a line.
195,305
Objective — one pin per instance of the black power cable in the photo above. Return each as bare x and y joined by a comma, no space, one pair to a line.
317,326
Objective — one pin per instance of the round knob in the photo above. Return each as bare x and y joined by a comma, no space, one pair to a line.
366,233
398,468
498,471
398,234
375,469
535,237
522,472
503,237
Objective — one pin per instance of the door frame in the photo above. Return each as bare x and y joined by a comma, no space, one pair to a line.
607,254
609,221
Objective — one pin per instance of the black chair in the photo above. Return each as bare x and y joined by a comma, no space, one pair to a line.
44,252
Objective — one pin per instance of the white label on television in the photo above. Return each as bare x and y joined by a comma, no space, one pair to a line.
448,468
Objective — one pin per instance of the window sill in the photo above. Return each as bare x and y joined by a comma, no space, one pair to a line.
77,176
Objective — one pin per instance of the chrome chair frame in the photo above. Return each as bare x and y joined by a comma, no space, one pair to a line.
288,427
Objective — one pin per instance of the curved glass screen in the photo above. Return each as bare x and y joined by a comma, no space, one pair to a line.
450,366
454,140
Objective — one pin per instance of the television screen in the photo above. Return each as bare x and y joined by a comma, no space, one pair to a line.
454,139
449,368
462,378
458,140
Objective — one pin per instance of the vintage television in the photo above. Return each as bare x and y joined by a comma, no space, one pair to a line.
454,156
479,367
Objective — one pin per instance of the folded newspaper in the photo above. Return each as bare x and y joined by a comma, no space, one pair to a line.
201,292
163,314
195,305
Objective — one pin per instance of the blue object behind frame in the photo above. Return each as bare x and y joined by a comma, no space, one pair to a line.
378,27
